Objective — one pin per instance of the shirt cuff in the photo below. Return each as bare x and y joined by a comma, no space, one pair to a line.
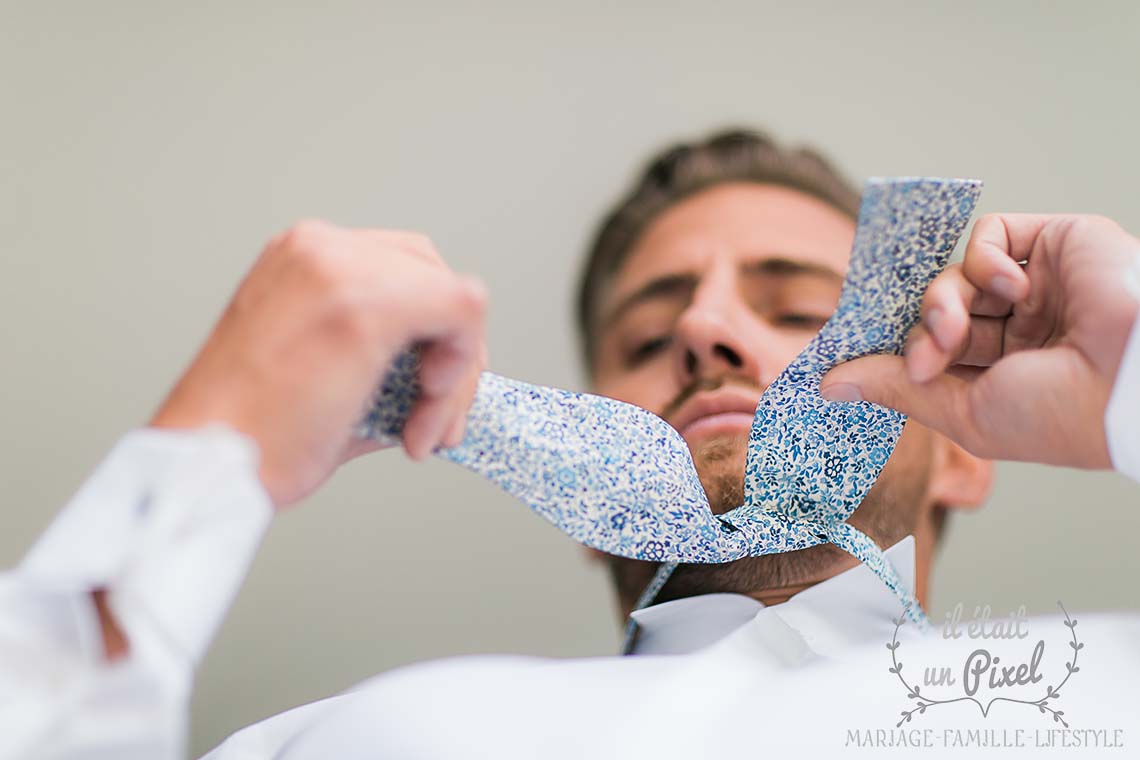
169,524
1122,416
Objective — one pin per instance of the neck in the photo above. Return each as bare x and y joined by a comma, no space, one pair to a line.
770,596
780,594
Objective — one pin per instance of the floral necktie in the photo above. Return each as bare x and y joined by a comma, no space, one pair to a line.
620,479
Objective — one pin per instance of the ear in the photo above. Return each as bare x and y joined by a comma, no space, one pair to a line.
958,479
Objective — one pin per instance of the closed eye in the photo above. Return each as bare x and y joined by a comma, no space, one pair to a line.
648,349
800,321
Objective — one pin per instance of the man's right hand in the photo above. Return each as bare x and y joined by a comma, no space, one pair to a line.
307,338
1016,361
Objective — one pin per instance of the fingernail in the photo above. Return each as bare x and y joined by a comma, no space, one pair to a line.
933,318
841,392
1004,286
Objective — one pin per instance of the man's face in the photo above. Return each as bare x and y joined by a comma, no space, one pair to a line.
717,296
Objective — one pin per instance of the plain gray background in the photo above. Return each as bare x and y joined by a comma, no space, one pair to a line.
148,151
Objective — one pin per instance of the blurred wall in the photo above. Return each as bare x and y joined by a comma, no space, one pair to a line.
147,152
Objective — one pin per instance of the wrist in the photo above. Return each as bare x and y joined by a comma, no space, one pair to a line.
182,418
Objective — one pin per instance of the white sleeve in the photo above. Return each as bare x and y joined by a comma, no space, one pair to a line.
168,525
1122,417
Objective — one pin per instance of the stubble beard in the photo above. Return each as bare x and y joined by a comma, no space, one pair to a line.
887,514
720,465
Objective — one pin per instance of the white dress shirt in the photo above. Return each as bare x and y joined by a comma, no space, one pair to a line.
729,677
528,707
170,521
168,525
1122,417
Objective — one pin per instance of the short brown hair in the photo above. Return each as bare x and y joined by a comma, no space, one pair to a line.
685,169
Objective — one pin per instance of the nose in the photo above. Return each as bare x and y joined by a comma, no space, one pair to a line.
715,335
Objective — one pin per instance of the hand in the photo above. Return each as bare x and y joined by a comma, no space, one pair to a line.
305,342
1016,360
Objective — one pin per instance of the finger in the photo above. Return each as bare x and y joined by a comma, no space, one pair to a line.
985,343
965,372
953,289
997,243
358,447
455,434
922,355
941,404
463,400
965,323
443,365
947,309
433,305
447,357
432,416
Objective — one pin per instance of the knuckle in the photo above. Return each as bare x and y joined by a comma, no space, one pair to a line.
1093,224
421,241
305,235
989,234
310,248
461,295
474,299
984,229
418,242
322,271
988,220
348,320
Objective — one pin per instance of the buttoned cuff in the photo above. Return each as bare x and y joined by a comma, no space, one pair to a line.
169,524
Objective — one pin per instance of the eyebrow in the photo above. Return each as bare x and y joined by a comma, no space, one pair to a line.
684,283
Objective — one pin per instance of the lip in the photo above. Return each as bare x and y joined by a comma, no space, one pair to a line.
723,410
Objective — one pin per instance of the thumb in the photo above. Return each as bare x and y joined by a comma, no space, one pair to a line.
940,403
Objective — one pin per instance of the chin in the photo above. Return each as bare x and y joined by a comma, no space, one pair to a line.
720,448
720,465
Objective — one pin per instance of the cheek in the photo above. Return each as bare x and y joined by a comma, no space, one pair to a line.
776,349
650,387
793,342
911,460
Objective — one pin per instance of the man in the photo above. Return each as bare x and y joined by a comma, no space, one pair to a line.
690,313
703,284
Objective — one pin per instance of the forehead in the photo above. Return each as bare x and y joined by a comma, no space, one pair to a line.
742,221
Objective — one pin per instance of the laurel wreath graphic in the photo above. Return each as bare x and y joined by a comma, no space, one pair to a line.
923,702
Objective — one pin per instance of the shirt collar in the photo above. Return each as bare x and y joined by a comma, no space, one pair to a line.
846,609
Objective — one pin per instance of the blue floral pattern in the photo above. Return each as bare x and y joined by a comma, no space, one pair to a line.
609,474
620,479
